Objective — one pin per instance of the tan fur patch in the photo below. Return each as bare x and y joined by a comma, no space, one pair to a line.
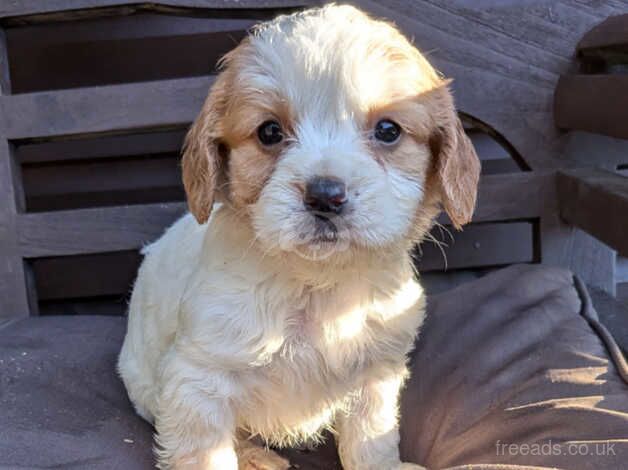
249,169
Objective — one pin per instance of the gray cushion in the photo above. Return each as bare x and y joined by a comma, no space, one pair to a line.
511,358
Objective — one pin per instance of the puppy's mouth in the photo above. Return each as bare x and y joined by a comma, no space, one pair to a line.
325,230
320,236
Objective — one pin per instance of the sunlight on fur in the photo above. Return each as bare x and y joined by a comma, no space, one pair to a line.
286,301
404,298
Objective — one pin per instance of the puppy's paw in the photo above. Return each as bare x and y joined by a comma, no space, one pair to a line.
257,458
410,466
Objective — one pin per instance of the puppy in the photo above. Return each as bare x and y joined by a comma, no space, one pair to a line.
329,144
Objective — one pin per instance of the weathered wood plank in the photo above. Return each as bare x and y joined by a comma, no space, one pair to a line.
77,64
5,76
622,269
504,60
85,200
598,150
37,7
137,26
167,103
479,245
596,201
105,147
97,230
593,103
142,179
622,293
611,32
158,171
515,196
72,277
128,227
16,299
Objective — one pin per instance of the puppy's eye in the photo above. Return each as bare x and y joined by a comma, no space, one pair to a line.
270,133
387,131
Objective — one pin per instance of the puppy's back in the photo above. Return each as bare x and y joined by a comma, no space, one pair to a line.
153,310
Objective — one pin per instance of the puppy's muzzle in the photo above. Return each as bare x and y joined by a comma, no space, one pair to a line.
325,195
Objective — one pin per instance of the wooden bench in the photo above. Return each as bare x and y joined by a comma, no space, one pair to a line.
97,95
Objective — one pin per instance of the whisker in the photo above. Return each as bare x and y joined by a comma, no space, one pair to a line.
442,229
440,246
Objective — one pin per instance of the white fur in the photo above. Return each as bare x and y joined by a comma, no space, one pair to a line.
232,329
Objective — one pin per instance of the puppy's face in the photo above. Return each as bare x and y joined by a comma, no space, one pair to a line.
328,130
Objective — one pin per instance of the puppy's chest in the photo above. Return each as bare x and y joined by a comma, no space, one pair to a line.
335,337
314,367
331,343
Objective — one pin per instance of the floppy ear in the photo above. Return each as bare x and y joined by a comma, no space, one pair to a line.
200,163
457,165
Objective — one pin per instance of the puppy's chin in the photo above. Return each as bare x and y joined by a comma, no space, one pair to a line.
319,238
316,237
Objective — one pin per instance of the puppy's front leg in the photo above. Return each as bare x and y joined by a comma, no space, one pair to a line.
368,434
195,422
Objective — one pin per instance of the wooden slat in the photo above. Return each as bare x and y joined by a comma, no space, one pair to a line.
593,103
517,196
49,7
505,58
75,184
511,197
97,230
103,109
126,174
622,293
479,245
611,32
138,26
72,277
77,64
105,147
596,201
622,269
17,300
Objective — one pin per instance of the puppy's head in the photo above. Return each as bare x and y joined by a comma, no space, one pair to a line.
329,129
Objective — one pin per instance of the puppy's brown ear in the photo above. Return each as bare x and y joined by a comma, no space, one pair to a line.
457,164
201,154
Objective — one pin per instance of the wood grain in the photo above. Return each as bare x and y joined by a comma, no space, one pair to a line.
506,61
74,277
62,233
479,245
40,66
167,103
597,202
21,8
16,298
101,148
96,230
593,103
506,58
613,31
516,196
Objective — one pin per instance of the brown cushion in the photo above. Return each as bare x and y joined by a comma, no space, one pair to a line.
512,359
507,359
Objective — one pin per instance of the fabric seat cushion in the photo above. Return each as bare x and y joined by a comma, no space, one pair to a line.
508,373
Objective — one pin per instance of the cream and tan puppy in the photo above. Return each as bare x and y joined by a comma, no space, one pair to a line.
330,144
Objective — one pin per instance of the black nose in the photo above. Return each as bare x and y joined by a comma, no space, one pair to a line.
325,194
